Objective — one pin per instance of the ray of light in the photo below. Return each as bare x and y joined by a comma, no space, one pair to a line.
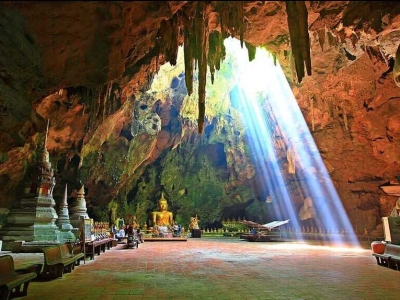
273,123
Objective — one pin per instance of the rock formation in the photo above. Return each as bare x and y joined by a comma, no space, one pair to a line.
88,67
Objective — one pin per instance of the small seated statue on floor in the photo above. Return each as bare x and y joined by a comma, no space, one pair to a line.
177,230
120,235
194,223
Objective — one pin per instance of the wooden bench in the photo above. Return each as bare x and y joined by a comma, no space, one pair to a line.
96,247
13,284
70,259
78,248
390,257
54,264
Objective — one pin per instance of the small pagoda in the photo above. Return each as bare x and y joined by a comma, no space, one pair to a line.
63,222
33,218
78,210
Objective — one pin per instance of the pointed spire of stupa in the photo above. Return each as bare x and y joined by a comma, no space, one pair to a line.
47,133
45,154
63,220
65,199
81,192
43,180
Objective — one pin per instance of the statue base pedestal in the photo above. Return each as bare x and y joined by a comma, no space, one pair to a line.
196,233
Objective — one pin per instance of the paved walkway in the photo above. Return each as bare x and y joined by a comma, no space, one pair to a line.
225,269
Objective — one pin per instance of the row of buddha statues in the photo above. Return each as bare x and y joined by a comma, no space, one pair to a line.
161,222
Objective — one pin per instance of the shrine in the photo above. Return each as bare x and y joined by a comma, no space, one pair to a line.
163,226
32,220
63,221
78,209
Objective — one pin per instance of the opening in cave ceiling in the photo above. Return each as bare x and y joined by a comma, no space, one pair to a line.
256,96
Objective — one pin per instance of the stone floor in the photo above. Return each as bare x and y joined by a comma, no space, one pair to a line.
224,268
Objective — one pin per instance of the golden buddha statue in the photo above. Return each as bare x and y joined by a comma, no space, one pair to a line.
162,217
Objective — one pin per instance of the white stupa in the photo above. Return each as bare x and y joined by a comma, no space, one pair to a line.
78,210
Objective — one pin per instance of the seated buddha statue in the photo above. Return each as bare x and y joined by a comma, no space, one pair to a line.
162,217
194,223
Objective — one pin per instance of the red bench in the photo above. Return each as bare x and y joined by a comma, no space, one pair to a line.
390,257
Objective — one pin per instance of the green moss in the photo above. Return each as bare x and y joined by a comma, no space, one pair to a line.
193,185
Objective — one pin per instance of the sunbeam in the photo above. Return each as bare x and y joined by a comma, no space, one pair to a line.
275,124
290,170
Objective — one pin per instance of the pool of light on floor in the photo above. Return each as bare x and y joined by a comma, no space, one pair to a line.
304,246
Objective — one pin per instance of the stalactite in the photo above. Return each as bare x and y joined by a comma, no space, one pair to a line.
297,16
240,21
92,108
332,39
224,32
321,38
212,52
304,36
99,103
168,39
232,20
224,19
251,51
157,62
104,106
312,113
292,66
188,39
216,52
202,47
108,100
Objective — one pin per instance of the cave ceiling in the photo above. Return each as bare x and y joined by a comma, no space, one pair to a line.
85,65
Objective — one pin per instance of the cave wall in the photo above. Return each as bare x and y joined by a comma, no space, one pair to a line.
87,65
